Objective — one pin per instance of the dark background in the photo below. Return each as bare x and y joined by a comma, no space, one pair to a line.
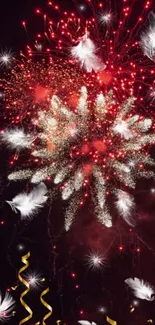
58,255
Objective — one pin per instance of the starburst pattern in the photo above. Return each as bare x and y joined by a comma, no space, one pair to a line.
92,148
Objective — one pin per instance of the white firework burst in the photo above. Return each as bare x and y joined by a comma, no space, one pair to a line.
5,58
97,158
6,306
95,261
105,18
34,279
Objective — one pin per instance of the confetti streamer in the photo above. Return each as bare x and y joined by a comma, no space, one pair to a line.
46,305
14,288
132,310
58,322
110,321
25,283
150,321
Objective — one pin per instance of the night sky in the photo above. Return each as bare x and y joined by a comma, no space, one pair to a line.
61,257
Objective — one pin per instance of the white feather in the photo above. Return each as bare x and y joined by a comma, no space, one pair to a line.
17,138
142,289
29,204
85,322
85,53
125,205
148,39
6,305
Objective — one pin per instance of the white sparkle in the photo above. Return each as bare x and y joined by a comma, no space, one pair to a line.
82,7
34,279
102,310
5,58
105,18
95,261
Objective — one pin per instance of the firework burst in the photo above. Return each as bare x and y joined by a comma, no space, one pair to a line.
83,104
88,152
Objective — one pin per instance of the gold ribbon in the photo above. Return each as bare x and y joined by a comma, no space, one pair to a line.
110,321
46,305
58,322
150,321
28,309
132,310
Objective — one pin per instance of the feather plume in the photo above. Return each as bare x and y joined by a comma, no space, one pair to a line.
141,289
29,204
6,305
85,53
125,205
85,322
16,139
148,39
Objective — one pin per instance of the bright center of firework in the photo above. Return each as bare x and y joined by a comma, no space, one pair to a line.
33,280
105,18
5,58
82,7
96,260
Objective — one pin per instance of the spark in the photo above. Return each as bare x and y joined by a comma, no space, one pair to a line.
105,18
5,58
39,47
135,302
82,7
102,310
95,261
34,279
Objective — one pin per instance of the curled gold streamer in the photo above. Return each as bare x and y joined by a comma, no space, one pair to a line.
28,309
46,305
150,321
110,321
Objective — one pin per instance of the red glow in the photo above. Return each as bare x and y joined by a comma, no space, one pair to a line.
85,149
99,145
73,275
87,169
105,77
73,100
41,93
